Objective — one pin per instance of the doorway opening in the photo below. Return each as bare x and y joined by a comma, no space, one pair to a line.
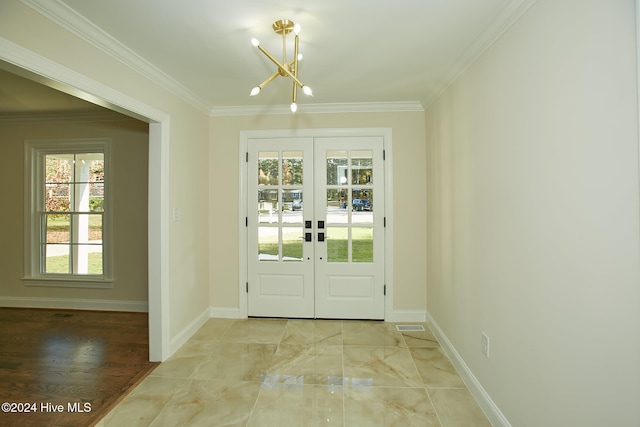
34,67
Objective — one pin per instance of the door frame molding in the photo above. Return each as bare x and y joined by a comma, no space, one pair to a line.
386,135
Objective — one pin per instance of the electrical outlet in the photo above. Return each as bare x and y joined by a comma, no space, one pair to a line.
484,344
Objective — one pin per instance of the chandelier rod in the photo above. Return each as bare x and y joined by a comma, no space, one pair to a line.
279,65
295,66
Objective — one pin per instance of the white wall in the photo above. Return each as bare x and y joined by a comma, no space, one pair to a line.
533,216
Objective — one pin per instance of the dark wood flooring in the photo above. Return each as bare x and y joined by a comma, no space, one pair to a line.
85,361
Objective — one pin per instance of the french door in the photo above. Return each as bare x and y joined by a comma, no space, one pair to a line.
315,227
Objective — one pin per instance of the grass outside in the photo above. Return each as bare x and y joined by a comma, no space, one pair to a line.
60,264
337,245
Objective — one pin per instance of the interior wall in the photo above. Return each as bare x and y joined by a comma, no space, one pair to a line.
533,216
186,272
409,158
130,158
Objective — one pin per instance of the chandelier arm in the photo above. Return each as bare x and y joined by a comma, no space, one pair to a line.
284,47
295,56
269,80
280,66
295,67
295,91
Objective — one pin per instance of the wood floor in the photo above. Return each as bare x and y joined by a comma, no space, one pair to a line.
68,367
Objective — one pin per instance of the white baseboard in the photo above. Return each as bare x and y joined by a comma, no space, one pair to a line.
75,304
488,406
184,335
407,316
224,313
396,315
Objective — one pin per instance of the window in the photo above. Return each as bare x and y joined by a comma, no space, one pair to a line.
67,205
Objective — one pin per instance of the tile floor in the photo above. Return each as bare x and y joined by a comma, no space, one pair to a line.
280,373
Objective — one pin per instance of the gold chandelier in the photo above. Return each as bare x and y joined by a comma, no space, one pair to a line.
285,69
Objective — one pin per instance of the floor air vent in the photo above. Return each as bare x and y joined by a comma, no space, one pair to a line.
409,328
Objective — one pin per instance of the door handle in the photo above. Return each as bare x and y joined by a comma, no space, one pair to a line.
320,237
321,225
307,237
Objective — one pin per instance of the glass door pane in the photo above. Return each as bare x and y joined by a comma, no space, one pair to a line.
349,189
280,205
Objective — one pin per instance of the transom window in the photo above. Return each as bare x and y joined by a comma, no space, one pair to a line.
68,208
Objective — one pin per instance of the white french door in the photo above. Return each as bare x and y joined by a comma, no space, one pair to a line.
315,227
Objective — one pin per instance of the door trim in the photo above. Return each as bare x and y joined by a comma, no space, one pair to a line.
386,135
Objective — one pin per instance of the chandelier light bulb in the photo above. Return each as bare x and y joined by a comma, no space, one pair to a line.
255,91
296,29
255,42
307,90
300,57
294,107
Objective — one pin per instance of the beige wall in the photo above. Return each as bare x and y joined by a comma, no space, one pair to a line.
409,174
187,272
533,219
130,144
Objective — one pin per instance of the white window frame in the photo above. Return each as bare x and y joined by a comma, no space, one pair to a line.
35,152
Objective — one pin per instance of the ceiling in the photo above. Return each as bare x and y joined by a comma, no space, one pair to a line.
403,52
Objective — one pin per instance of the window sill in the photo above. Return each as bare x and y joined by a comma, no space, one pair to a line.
69,282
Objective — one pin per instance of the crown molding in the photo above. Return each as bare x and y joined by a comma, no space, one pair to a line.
351,107
65,117
67,18
499,26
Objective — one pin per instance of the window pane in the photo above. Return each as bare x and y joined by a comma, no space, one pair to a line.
361,199
89,259
89,228
292,239
337,167
361,167
57,228
292,206
337,244
362,244
268,244
337,206
58,168
268,168
267,206
57,259
97,168
96,197
292,168
57,197
362,204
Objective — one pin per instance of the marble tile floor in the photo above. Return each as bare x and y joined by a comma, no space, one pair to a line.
281,373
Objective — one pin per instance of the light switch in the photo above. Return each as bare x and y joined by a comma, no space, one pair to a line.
177,214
